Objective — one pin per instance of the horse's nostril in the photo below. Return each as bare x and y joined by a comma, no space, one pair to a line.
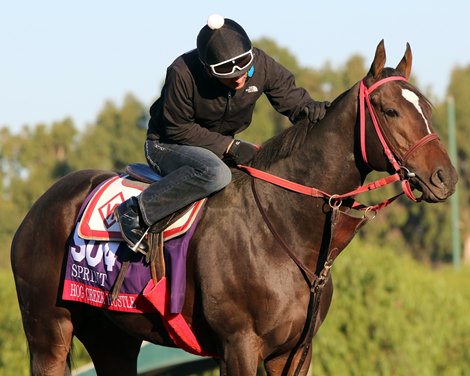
440,175
439,178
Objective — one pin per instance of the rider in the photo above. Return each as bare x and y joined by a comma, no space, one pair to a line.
208,96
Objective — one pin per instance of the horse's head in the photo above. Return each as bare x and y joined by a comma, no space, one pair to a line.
397,133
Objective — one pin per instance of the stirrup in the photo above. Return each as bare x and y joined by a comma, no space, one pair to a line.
136,248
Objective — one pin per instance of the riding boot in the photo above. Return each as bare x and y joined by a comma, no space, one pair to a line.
130,222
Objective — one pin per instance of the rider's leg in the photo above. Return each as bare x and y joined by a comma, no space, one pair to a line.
189,174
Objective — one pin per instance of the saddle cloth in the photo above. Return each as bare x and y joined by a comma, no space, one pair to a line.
98,222
93,266
96,251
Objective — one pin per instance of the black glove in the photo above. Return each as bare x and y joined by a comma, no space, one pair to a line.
242,152
315,111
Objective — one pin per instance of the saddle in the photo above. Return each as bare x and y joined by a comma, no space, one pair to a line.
143,173
98,222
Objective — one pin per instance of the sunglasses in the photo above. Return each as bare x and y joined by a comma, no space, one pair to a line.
229,66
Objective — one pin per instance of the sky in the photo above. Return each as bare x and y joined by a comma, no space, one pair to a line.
64,58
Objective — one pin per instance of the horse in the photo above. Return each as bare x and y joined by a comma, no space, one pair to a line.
258,281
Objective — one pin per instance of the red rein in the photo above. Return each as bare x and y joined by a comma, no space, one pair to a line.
398,165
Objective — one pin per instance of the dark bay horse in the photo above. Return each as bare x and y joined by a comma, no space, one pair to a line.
254,251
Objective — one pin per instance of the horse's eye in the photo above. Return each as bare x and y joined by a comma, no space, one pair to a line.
390,112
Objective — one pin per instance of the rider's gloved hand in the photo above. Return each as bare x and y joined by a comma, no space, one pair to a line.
315,111
241,151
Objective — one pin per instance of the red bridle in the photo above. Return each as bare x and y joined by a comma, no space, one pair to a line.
396,161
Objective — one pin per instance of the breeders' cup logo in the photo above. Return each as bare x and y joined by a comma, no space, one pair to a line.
98,222
107,209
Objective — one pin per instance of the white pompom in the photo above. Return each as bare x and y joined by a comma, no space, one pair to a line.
215,21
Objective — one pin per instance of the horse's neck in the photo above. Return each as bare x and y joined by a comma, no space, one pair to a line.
327,158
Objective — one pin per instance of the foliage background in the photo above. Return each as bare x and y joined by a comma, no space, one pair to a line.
399,307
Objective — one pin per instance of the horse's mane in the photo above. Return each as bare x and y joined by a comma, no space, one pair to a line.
282,145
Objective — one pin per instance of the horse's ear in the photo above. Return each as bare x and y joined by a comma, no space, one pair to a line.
404,67
379,60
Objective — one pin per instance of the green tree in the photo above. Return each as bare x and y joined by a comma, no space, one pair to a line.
323,84
116,139
266,121
30,162
13,352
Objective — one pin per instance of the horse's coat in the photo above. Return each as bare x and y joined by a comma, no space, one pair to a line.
246,299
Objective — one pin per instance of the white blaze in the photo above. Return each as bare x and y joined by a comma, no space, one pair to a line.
414,100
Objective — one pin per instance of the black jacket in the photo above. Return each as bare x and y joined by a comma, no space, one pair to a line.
196,109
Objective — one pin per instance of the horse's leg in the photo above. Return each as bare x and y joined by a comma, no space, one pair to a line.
50,357
48,327
240,356
37,253
278,366
49,340
115,355
113,351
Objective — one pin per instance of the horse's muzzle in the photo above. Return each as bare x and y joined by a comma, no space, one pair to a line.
439,186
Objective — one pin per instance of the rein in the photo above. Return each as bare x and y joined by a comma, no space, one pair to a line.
335,200
316,282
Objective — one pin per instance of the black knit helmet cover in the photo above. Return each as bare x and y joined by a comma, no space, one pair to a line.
218,45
